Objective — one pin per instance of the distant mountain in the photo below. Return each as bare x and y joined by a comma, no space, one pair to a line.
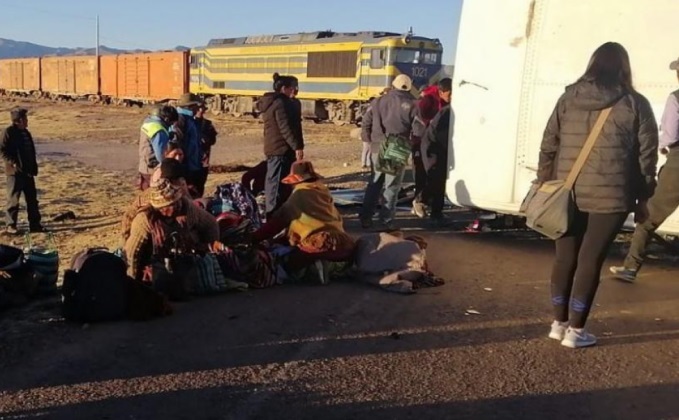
19,49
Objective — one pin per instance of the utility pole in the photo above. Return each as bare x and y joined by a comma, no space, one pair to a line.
98,65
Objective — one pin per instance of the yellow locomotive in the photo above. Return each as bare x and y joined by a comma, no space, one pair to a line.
338,72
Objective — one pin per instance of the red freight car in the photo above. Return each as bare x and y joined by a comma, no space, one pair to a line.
146,77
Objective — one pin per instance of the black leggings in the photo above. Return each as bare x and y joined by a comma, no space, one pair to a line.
580,254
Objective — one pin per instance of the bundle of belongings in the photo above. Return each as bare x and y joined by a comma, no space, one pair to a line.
18,281
394,262
236,210
97,288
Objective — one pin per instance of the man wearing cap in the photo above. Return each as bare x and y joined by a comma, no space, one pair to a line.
21,167
392,123
189,137
665,201
153,142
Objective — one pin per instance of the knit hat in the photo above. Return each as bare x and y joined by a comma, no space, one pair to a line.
674,65
402,82
301,171
164,194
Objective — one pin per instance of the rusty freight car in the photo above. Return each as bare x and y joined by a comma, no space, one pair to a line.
70,76
144,78
20,76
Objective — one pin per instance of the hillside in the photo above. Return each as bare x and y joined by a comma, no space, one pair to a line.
18,49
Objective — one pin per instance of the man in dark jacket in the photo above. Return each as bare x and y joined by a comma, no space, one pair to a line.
433,100
435,161
208,135
392,123
283,139
189,137
21,168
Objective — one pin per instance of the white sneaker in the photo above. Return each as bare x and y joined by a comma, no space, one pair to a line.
577,338
558,330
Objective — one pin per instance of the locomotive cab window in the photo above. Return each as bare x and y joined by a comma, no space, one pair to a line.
377,58
414,56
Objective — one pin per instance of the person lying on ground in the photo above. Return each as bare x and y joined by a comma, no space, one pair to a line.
171,170
314,225
170,220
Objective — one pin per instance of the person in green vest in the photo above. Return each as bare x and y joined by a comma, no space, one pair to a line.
153,142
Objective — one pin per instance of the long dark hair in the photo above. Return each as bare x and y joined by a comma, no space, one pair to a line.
610,67
279,82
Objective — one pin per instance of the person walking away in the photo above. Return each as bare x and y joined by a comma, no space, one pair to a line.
208,137
392,125
435,161
189,137
618,177
433,99
153,143
283,139
665,201
21,168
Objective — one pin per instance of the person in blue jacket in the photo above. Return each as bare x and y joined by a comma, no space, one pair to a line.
189,137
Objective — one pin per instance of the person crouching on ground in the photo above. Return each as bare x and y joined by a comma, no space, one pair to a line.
313,223
170,214
171,170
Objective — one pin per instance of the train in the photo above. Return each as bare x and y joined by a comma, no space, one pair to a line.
338,72
122,79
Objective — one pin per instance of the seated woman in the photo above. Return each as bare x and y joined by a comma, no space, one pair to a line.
313,223
170,218
171,170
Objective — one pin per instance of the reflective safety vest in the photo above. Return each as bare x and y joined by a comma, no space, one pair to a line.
151,128
147,158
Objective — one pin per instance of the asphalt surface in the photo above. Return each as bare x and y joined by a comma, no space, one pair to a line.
352,351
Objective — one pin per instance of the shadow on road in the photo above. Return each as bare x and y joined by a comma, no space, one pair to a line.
641,402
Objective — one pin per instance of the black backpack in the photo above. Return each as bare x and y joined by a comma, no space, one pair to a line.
94,289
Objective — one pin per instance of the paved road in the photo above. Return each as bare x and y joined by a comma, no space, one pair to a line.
319,352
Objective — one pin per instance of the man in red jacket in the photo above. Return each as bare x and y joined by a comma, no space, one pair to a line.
432,100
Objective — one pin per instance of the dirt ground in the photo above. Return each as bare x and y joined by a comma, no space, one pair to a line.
344,351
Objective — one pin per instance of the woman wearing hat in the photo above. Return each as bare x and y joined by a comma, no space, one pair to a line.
169,215
313,223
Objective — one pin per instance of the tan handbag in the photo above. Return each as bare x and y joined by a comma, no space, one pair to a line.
549,207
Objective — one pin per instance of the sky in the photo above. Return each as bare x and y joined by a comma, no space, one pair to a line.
154,24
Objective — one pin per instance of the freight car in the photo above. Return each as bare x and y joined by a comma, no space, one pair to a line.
338,72
120,79
20,75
